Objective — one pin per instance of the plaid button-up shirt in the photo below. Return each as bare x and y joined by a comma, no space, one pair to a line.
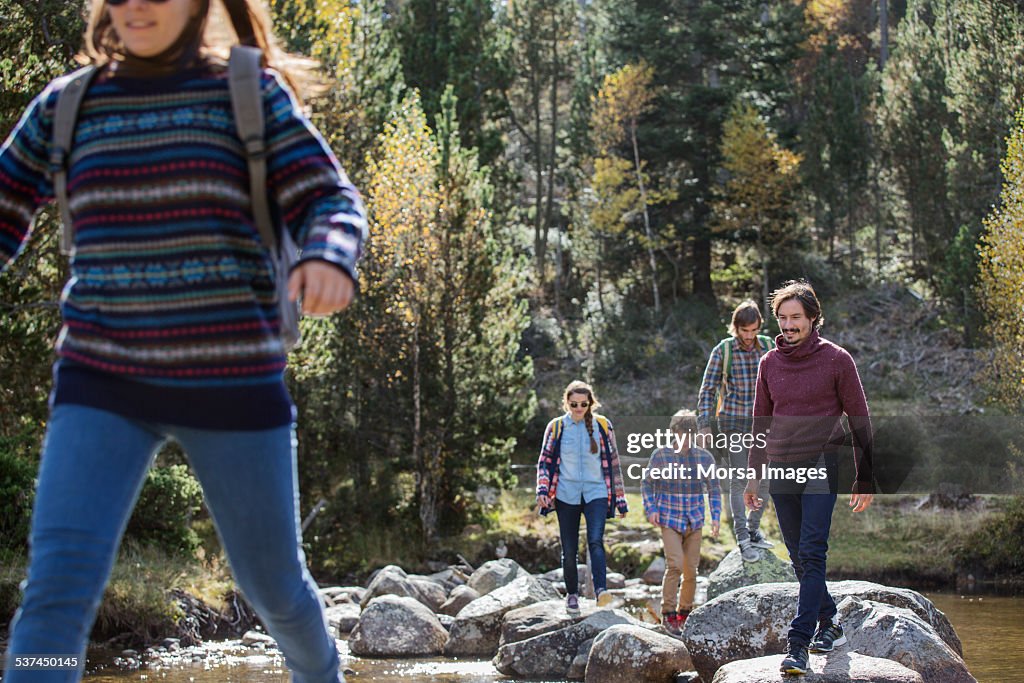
739,396
679,498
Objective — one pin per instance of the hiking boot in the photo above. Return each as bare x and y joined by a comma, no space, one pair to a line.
748,552
795,663
604,598
572,602
759,540
681,618
828,637
670,620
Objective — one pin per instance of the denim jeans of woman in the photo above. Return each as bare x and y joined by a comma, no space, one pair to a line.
92,470
595,512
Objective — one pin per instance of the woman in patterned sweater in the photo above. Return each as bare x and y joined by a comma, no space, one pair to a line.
578,475
171,328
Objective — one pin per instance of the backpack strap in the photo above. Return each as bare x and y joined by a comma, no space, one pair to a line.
244,68
69,100
602,423
767,342
726,346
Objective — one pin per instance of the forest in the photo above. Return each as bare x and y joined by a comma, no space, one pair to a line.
565,189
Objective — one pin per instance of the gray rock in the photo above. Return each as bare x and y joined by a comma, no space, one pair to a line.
840,666
549,655
616,581
655,573
495,574
446,621
392,580
429,592
343,618
626,653
542,617
397,626
459,598
733,572
578,669
449,579
253,638
336,595
585,587
880,630
753,621
477,627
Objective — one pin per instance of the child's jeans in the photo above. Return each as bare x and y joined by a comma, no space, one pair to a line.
93,467
682,555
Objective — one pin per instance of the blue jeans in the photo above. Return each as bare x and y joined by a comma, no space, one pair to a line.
595,512
804,512
92,469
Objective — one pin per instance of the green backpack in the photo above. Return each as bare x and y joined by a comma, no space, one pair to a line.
247,105
726,345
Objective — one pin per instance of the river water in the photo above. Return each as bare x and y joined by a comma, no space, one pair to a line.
991,628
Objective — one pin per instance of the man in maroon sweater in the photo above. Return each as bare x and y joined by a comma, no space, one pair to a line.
804,387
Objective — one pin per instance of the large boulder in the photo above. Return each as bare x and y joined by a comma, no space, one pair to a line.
542,617
841,666
880,630
753,621
343,618
477,627
626,653
655,572
397,626
733,573
392,580
429,592
459,598
550,655
495,574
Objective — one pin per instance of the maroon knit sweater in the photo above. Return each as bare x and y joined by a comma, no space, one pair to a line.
802,392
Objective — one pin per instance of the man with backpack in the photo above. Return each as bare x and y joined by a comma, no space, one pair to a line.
727,397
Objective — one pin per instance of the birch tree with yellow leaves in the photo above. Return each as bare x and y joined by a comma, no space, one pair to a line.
758,201
1001,276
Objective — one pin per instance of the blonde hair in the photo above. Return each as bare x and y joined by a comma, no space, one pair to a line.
579,387
683,422
221,23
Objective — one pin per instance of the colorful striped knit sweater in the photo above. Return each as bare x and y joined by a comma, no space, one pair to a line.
170,313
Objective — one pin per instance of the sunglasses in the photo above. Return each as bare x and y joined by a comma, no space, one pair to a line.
118,3
582,404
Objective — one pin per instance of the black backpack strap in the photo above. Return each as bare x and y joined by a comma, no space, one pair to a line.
69,100
244,68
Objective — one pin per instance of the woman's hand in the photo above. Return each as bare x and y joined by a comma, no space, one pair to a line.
325,287
543,501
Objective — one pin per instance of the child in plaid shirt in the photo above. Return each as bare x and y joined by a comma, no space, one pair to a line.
675,503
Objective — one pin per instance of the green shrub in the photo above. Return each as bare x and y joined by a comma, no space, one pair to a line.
163,517
998,546
17,491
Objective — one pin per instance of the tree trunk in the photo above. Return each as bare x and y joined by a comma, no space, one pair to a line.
883,28
647,217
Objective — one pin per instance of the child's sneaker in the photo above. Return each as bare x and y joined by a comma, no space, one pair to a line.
670,620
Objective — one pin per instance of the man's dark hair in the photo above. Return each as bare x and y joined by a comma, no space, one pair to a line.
747,313
802,291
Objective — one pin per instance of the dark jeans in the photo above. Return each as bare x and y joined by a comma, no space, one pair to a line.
596,512
804,512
